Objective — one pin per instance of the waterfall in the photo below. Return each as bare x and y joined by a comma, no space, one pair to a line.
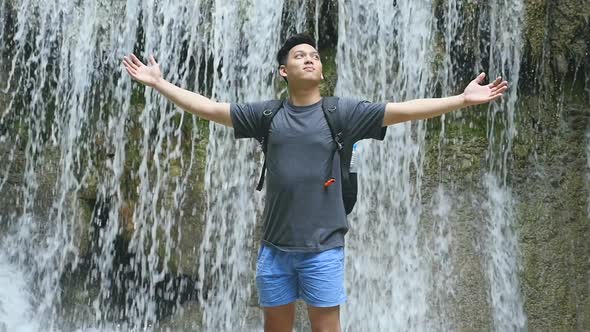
445,279
504,21
451,37
385,53
70,99
243,35
100,174
37,35
391,277
70,106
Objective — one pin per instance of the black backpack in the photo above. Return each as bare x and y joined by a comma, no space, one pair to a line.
343,145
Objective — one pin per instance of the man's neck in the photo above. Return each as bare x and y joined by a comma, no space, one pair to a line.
304,97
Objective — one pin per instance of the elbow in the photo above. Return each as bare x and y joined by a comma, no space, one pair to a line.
219,113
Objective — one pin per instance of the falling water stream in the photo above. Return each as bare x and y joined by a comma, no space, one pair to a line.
74,123
66,63
226,250
505,22
394,44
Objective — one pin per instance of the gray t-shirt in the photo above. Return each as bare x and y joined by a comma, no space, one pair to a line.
300,214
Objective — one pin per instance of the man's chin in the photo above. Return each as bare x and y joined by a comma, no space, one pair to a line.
310,79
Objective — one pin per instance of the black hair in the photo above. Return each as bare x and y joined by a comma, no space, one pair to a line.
291,42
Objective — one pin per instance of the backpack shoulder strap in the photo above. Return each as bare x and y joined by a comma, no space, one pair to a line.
330,108
336,123
271,109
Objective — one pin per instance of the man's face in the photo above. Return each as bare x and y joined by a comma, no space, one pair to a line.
303,64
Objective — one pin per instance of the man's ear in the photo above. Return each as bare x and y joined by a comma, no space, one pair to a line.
322,75
283,71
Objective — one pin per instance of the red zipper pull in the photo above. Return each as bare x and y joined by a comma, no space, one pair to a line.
329,182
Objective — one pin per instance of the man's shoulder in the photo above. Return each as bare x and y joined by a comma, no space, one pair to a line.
348,104
259,103
256,106
351,103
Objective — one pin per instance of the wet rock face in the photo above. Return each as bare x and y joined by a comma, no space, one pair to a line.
553,191
9,202
551,168
558,43
549,177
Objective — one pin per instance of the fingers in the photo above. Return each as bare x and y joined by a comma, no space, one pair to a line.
495,94
129,64
480,78
499,88
495,97
131,72
495,85
497,81
133,63
136,61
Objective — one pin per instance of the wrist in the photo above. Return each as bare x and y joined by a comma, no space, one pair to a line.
158,83
463,101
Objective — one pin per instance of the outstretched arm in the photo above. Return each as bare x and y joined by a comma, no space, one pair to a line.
420,109
189,101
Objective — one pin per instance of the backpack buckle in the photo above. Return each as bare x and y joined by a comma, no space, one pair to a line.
267,112
339,141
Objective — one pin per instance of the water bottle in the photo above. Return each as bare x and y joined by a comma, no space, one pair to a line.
353,159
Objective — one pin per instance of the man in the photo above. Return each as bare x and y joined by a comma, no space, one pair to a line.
302,250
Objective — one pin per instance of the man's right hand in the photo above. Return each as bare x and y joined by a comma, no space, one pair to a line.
148,75
189,101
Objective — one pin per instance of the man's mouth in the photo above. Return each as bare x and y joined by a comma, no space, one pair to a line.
308,68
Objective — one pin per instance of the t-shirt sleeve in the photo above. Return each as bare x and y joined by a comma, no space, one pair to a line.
364,119
247,119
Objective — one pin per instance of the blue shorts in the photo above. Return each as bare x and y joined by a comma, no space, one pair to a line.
283,277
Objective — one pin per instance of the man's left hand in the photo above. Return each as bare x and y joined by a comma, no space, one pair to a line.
476,94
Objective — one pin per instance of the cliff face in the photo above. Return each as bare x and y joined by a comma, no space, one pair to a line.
548,172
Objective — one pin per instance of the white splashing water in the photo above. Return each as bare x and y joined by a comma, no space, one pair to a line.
16,301
505,22
385,53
